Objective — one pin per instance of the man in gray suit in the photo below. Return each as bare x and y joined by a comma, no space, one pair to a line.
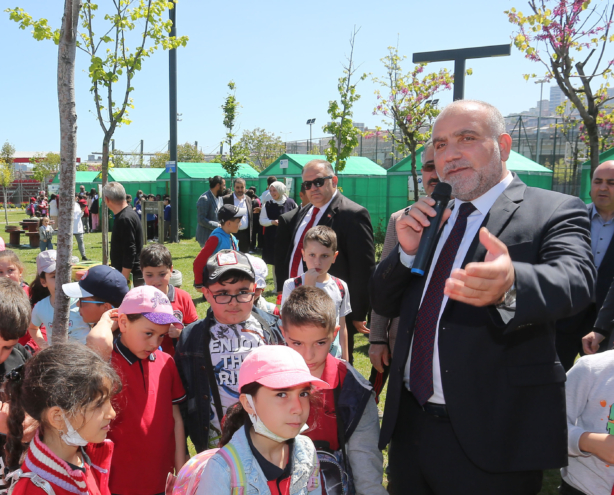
207,206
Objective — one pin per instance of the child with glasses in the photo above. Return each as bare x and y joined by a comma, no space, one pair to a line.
231,330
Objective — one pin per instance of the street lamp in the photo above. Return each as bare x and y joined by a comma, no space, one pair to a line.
310,122
539,117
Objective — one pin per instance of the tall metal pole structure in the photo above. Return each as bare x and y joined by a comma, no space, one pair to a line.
459,57
539,117
172,87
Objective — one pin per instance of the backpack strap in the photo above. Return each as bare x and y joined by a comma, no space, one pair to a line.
339,286
270,336
298,281
237,473
215,392
36,481
340,425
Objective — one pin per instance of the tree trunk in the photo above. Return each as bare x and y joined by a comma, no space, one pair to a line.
414,172
593,141
68,152
6,214
104,217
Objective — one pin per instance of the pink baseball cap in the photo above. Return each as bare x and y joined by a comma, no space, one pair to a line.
151,303
277,367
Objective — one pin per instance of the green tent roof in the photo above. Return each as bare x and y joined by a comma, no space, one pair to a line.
80,177
132,175
355,165
606,155
206,170
520,163
405,164
516,163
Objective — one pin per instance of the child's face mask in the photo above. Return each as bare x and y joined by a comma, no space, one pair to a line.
72,437
260,427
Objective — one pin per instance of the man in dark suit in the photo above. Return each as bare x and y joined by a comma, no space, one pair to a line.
571,330
476,396
246,227
352,224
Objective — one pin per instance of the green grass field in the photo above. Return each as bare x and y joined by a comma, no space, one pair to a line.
183,257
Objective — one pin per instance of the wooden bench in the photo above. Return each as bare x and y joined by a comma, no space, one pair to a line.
35,240
30,226
14,236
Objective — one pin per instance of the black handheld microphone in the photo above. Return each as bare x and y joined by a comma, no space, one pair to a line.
441,195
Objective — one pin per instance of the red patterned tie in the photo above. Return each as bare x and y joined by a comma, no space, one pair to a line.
421,366
298,255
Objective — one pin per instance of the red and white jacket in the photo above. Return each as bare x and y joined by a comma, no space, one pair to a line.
44,473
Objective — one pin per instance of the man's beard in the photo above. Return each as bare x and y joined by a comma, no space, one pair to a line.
478,183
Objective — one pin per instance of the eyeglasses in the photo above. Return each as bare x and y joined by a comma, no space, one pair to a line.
319,182
243,297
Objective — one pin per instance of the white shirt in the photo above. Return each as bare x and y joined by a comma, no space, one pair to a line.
77,223
53,209
241,204
220,202
300,230
266,196
483,205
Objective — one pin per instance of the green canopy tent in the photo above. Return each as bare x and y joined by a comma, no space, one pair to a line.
585,179
134,179
194,181
531,173
82,179
362,180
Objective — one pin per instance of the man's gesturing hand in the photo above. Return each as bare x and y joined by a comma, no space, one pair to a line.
411,224
485,283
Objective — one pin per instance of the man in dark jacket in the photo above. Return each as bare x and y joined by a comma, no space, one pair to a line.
352,224
127,235
571,330
476,394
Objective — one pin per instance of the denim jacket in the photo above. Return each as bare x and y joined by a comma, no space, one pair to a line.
305,479
191,363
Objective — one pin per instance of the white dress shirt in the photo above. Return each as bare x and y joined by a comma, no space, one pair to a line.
483,204
241,204
300,230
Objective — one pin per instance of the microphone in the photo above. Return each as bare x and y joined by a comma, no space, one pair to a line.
441,195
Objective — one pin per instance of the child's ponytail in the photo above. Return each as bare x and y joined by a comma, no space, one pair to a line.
236,416
38,292
14,446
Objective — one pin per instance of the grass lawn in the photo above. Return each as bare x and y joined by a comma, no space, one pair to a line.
183,257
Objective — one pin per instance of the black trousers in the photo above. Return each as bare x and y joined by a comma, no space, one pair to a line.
243,240
425,458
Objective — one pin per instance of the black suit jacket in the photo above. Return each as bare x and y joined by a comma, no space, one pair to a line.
586,320
356,260
230,200
605,319
502,381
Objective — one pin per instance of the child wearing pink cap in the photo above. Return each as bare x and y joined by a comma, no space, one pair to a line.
148,432
263,450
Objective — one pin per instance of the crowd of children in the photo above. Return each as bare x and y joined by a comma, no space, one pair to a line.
265,394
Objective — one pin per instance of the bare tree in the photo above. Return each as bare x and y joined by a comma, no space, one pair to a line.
68,152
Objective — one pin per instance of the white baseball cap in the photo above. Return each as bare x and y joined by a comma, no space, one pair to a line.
261,271
45,261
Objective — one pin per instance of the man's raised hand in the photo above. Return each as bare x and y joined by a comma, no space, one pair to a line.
410,225
483,283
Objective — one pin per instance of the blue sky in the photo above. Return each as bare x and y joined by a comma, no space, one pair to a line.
285,58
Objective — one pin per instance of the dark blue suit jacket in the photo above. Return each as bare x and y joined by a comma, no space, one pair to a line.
503,383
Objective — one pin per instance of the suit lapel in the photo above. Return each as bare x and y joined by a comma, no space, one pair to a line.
497,218
298,218
331,211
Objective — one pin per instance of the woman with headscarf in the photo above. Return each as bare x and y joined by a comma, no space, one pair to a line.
272,210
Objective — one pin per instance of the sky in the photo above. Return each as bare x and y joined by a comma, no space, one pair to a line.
285,58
